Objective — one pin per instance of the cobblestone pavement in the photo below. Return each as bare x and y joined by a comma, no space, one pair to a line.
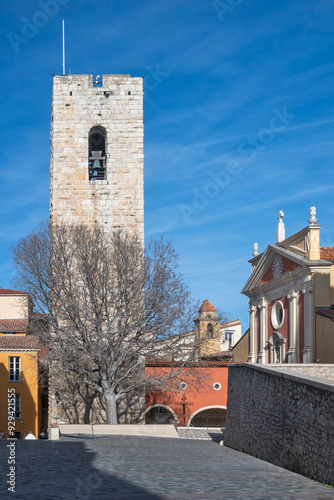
145,468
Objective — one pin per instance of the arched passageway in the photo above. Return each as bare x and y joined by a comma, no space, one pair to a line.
159,414
211,416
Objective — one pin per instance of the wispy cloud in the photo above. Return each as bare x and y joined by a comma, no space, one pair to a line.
224,80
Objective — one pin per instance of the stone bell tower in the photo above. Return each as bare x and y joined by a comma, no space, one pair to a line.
97,152
96,169
207,331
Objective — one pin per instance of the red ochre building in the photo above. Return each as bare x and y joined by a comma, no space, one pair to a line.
198,399
198,396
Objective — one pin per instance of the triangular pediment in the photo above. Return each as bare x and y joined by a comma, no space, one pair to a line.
273,263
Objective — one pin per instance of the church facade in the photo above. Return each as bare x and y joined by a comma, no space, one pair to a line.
291,293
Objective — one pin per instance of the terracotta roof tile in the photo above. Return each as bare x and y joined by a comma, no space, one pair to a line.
206,306
28,342
190,364
327,253
6,291
13,325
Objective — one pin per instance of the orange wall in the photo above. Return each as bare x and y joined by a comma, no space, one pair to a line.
27,387
199,395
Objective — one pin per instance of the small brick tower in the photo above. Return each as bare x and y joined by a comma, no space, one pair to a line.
97,152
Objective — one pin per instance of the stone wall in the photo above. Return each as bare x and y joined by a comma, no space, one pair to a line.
283,418
77,106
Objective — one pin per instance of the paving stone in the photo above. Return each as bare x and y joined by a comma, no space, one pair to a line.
145,468
207,434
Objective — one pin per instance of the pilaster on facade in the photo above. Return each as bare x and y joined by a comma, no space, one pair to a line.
252,333
292,352
283,349
308,315
298,323
263,330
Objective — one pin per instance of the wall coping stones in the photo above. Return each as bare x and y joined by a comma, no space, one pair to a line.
281,370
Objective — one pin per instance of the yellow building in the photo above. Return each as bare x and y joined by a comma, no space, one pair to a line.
19,390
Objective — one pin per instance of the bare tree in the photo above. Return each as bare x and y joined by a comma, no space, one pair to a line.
110,304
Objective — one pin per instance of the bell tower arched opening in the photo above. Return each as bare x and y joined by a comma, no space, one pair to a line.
97,153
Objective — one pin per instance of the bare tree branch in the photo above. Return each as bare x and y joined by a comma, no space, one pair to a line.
109,305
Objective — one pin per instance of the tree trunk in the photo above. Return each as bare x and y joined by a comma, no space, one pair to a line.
88,406
111,407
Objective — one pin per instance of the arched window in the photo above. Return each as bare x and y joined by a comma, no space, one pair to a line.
209,331
159,415
97,153
277,345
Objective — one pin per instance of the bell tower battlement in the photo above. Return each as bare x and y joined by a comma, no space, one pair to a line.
97,152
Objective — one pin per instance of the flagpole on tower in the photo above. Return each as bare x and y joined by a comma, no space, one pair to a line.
63,46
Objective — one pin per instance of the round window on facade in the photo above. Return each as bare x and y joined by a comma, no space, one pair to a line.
217,386
183,385
277,315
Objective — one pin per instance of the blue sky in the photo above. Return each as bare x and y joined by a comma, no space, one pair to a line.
239,121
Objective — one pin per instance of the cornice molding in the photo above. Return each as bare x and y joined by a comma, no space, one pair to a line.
282,289
18,349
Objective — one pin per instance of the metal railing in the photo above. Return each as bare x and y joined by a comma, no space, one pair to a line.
206,420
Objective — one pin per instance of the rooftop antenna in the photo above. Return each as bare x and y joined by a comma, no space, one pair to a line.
63,46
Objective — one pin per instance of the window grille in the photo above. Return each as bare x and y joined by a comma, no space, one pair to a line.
14,369
17,406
